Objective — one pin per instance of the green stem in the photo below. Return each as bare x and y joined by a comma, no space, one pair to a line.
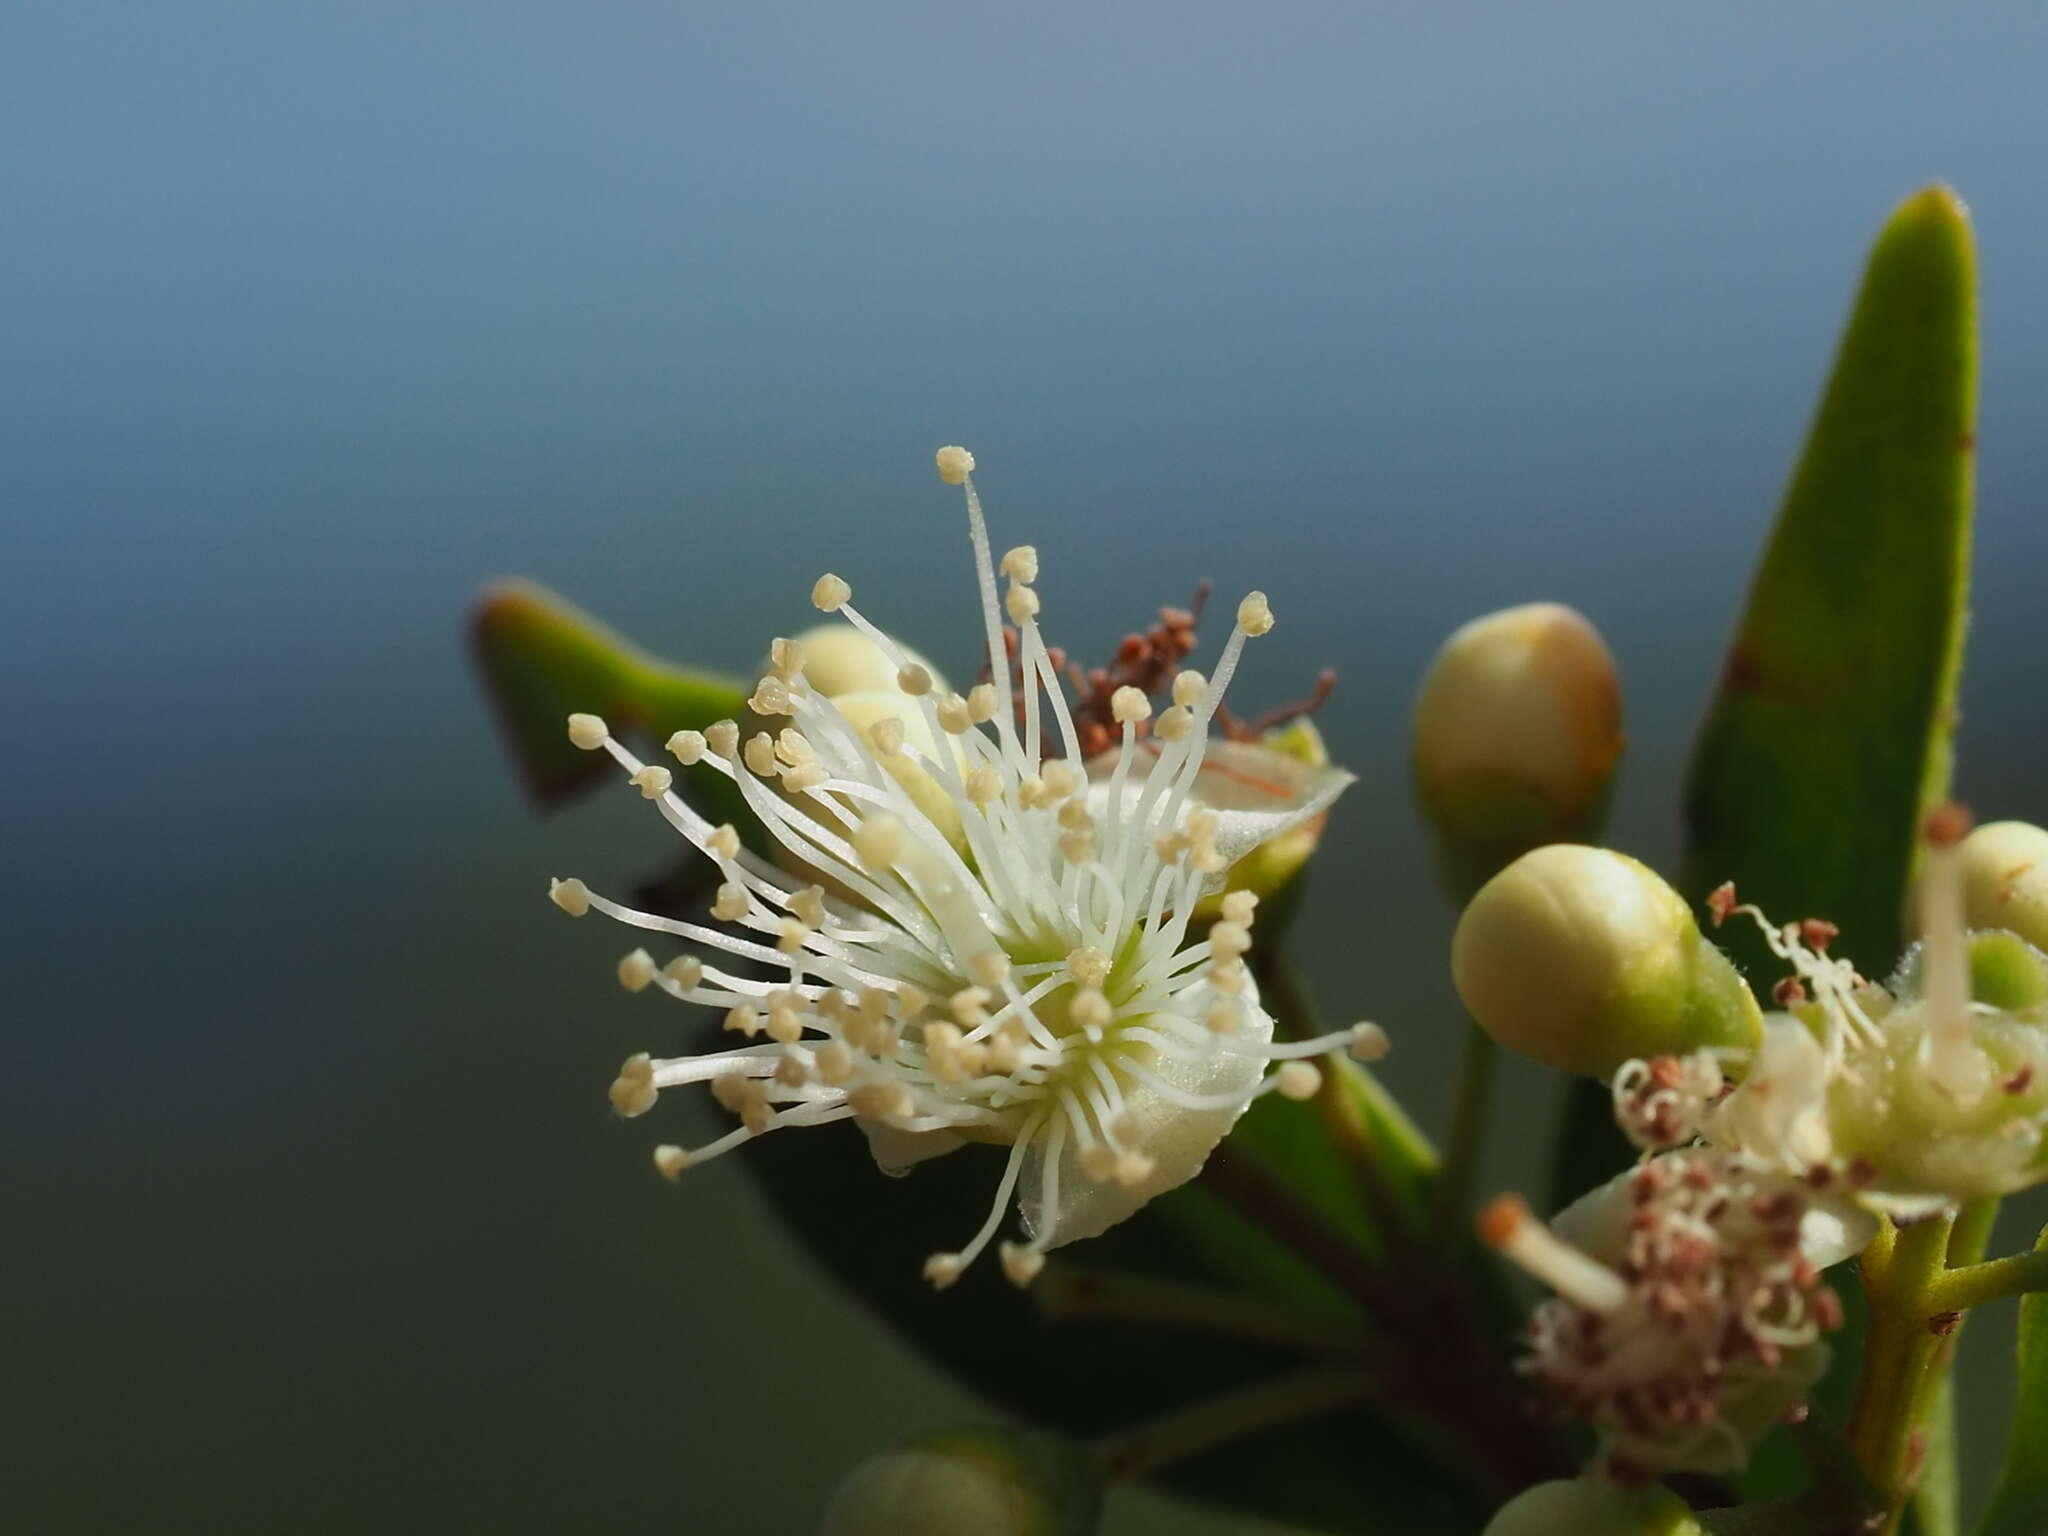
1899,1354
1467,1133
1304,1394
1976,1284
1077,1292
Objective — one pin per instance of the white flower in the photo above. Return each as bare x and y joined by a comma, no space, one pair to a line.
987,941
1917,1097
1689,1307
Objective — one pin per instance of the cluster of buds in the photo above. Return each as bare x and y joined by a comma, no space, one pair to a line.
965,937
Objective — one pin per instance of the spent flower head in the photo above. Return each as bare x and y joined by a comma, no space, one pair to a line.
1689,1311
969,936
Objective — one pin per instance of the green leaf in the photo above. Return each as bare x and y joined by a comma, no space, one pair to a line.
2019,1504
542,659
1829,737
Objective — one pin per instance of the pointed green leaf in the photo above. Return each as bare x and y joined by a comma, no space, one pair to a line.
2019,1504
1829,737
543,659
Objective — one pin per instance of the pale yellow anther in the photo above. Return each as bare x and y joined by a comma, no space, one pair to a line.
1227,976
1240,906
1189,689
791,935
686,747
744,1019
771,697
1077,847
835,1064
571,895
1021,603
972,1059
1061,777
792,1071
878,841
787,658
805,777
1021,563
760,754
914,680
1128,706
1074,816
792,746
1254,614
1205,858
670,1161
1021,1264
588,731
830,594
874,1004
723,738
685,971
1088,966
942,1269
881,1101
808,905
724,842
981,703
785,1024
1369,1042
1090,1009
1167,847
1098,1161
984,785
953,716
1174,724
1223,1017
1228,940
989,967
970,1006
731,904
756,1114
1031,793
882,1040
1133,1168
1006,1047
955,465
1298,1080
633,1091
636,970
653,781
886,736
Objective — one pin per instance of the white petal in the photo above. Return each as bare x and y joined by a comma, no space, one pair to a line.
1177,1139
896,1152
1257,793
1832,1229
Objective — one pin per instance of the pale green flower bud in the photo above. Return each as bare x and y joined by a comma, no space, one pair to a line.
991,1481
2005,879
837,658
1517,731
1584,959
1594,1506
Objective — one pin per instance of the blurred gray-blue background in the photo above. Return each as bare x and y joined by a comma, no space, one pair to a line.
312,317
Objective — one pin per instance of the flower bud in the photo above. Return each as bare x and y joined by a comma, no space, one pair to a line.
1002,1482
1583,959
2005,879
1517,731
841,659
1594,1506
